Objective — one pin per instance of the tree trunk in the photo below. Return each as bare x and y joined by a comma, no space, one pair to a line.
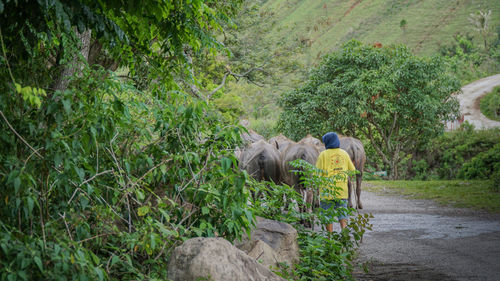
62,81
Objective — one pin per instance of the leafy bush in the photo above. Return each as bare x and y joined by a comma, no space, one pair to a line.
495,180
112,180
103,175
483,165
467,61
420,168
490,104
446,154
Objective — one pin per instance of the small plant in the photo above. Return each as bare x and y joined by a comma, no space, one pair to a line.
402,24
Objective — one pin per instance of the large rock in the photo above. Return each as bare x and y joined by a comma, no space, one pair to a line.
262,252
215,259
280,236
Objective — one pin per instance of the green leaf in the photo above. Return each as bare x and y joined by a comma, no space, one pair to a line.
142,211
99,273
38,262
25,263
114,260
205,210
17,184
31,204
67,105
163,169
165,214
226,163
140,195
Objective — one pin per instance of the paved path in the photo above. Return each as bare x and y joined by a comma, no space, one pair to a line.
419,240
469,102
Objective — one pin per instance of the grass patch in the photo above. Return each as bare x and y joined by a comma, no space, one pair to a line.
490,104
475,194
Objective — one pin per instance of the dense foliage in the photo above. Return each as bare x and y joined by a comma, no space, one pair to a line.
103,173
464,153
490,104
387,95
471,61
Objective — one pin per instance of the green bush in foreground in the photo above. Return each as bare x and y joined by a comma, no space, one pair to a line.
120,180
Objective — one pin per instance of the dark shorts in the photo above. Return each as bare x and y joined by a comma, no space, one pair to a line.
342,203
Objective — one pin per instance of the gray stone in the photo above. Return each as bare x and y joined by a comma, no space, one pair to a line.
280,236
263,253
215,259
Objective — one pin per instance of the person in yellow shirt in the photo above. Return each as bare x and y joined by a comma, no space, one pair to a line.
334,161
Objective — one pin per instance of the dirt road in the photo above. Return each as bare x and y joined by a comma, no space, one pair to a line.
420,240
469,102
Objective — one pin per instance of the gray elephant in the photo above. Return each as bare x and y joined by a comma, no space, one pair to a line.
356,151
308,153
281,142
262,161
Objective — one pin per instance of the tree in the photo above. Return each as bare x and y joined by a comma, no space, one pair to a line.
111,33
387,95
481,23
402,24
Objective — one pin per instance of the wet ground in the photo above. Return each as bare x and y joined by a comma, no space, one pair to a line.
420,240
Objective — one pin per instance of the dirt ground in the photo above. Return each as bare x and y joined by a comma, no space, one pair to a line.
420,240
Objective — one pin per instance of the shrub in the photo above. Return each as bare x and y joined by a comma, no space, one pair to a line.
483,165
490,104
495,180
446,154
112,179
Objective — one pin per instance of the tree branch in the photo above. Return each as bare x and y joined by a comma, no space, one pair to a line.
199,94
19,136
209,95
377,148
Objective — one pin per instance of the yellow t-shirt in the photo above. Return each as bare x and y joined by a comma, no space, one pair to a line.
334,161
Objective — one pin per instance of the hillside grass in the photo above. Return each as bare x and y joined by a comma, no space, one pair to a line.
322,26
475,194
301,32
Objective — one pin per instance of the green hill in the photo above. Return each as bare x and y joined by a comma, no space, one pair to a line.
322,26
291,36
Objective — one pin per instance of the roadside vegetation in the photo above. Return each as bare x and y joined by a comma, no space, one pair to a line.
490,104
474,194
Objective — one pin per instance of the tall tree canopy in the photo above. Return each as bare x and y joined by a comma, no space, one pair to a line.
387,95
113,33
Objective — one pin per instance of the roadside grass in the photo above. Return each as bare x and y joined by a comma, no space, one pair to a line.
490,104
475,194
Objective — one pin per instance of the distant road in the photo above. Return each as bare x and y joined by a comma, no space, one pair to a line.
469,101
